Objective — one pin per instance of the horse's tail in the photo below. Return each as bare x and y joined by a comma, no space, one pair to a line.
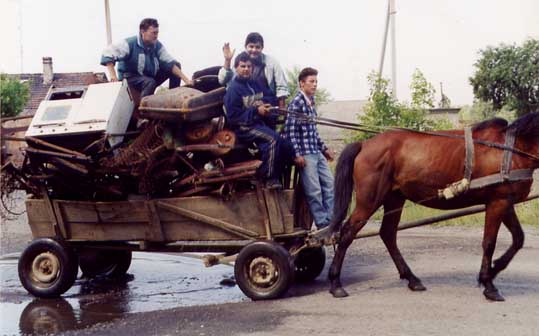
344,184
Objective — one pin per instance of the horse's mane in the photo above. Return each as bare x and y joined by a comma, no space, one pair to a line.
527,125
494,122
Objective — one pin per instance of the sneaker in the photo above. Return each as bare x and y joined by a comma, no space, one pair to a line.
273,184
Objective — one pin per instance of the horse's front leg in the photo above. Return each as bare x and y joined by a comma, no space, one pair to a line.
513,225
495,211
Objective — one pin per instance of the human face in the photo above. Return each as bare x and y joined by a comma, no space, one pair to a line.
244,69
254,49
149,36
309,84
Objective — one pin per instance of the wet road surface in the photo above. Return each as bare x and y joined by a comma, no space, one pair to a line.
154,282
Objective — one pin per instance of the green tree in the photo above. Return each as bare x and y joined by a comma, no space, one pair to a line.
422,91
321,96
13,95
383,109
508,75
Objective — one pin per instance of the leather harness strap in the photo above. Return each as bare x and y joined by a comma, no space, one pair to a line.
507,154
505,174
469,162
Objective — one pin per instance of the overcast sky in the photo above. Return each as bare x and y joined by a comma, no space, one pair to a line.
342,39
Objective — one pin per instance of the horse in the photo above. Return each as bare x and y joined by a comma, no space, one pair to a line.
399,165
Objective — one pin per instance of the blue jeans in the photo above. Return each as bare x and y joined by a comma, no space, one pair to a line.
317,182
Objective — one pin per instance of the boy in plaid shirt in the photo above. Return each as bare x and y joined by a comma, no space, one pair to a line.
311,154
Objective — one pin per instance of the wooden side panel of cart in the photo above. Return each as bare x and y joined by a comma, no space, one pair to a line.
249,215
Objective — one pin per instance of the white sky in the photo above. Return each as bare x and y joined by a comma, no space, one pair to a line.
342,39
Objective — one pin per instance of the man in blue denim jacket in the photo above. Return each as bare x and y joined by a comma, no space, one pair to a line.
143,61
311,154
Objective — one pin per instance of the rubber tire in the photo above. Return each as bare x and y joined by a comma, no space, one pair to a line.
67,270
108,263
279,257
309,263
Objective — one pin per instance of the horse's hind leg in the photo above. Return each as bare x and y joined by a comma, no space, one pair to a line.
513,225
348,233
388,232
495,211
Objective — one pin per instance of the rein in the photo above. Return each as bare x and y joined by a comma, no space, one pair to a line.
369,129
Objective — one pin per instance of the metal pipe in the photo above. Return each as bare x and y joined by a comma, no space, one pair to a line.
427,221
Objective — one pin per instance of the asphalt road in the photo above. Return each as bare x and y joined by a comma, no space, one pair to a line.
447,259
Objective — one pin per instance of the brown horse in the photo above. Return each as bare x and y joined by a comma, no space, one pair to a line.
398,165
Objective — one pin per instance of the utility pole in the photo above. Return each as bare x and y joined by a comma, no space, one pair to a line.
107,22
390,20
392,13
20,37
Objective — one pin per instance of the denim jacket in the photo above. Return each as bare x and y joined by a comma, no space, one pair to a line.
134,58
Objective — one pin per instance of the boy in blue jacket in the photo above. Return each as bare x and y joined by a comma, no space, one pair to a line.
247,113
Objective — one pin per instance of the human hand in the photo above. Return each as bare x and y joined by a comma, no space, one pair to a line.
300,161
189,82
227,53
329,155
264,109
114,79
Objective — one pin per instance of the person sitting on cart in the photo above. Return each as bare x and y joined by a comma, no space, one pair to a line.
143,61
311,154
246,111
266,72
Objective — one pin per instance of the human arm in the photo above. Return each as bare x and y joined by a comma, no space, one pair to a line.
113,53
112,72
226,73
293,128
178,73
281,84
236,112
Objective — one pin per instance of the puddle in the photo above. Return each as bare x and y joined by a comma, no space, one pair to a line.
154,282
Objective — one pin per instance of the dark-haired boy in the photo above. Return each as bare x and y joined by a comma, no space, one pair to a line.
143,61
266,70
246,112
311,154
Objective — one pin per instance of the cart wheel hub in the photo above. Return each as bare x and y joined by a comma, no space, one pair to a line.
262,271
45,267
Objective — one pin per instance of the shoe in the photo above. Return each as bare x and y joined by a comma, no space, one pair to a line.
273,184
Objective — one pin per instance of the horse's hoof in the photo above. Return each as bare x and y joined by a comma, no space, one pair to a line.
493,295
338,292
416,286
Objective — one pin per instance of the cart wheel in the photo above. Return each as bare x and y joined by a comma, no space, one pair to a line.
47,268
264,270
109,263
309,263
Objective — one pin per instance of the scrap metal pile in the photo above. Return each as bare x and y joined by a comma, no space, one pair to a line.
179,148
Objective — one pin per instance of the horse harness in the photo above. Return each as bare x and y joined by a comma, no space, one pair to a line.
506,175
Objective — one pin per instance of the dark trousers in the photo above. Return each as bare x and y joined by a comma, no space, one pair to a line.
275,151
146,85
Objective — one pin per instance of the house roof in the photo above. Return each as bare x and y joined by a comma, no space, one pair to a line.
39,90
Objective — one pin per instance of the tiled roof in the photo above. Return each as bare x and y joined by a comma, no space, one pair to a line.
38,90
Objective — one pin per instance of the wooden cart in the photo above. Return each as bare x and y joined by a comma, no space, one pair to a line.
266,227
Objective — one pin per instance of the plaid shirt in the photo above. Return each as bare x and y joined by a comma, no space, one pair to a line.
303,135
